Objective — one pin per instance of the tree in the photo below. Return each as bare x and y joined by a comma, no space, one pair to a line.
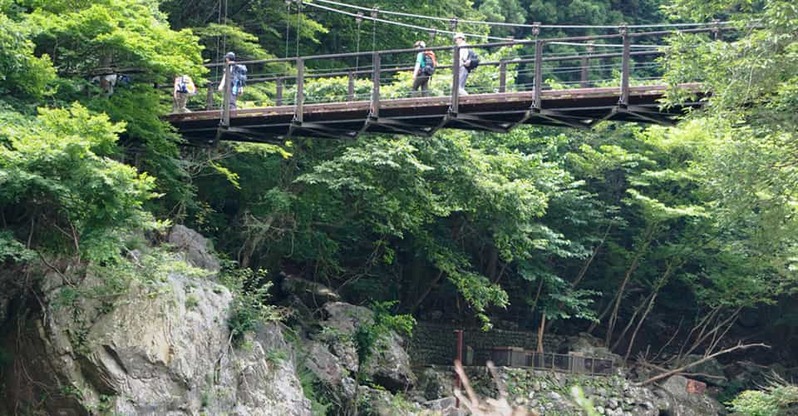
61,192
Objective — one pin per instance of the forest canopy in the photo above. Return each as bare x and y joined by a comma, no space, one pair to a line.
622,230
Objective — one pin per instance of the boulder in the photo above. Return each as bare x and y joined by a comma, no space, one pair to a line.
266,381
588,346
345,317
388,365
195,249
434,384
679,401
328,369
309,293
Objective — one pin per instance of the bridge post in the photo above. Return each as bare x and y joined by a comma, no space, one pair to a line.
585,71
209,98
279,99
502,76
350,92
538,87
625,65
454,108
375,89
228,94
300,91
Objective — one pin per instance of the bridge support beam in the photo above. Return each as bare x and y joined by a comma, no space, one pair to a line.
481,123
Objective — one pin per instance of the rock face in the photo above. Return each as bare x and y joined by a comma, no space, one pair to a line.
195,248
388,365
162,349
683,403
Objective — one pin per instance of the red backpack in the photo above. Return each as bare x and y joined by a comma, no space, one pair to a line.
430,63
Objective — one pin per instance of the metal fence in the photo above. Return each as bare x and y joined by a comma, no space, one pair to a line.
566,363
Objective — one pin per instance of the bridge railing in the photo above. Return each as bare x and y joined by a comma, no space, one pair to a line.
616,60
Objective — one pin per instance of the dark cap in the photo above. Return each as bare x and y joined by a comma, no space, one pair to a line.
230,55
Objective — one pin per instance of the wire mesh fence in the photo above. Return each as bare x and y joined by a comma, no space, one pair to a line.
566,363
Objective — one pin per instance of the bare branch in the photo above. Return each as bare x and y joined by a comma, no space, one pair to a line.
702,360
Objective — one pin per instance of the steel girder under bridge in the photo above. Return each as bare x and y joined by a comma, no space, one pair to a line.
499,112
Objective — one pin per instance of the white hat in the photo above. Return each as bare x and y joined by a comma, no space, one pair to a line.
420,43
460,35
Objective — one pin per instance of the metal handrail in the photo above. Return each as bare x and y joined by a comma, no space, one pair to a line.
376,71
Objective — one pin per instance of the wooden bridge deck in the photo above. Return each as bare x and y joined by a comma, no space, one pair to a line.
498,112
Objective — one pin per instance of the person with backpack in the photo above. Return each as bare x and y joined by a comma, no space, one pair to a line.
424,68
183,88
237,81
468,61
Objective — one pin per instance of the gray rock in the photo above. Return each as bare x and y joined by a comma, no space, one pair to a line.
330,372
163,349
389,365
435,384
346,317
196,249
310,293
683,403
267,382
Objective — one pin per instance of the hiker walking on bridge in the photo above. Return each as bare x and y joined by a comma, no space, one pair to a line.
237,81
424,68
182,89
463,56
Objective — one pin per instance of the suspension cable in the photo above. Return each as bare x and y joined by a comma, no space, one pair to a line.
407,25
224,37
287,24
522,25
359,20
298,25
374,13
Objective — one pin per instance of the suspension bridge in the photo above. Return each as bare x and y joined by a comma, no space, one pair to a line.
571,81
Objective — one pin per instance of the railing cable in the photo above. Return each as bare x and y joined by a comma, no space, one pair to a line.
522,25
391,22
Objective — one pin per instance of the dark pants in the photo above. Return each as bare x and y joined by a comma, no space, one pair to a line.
233,99
422,81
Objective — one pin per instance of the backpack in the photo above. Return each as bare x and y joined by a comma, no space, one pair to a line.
473,60
429,63
186,85
239,76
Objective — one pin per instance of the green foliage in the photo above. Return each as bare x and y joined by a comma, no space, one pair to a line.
754,403
773,400
578,395
250,307
368,336
311,387
62,190
192,302
276,356
13,250
23,73
115,33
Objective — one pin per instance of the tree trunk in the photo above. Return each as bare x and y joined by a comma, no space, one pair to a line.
626,278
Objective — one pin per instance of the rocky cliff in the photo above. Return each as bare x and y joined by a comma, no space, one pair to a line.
160,346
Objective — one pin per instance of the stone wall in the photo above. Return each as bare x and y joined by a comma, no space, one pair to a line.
434,343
